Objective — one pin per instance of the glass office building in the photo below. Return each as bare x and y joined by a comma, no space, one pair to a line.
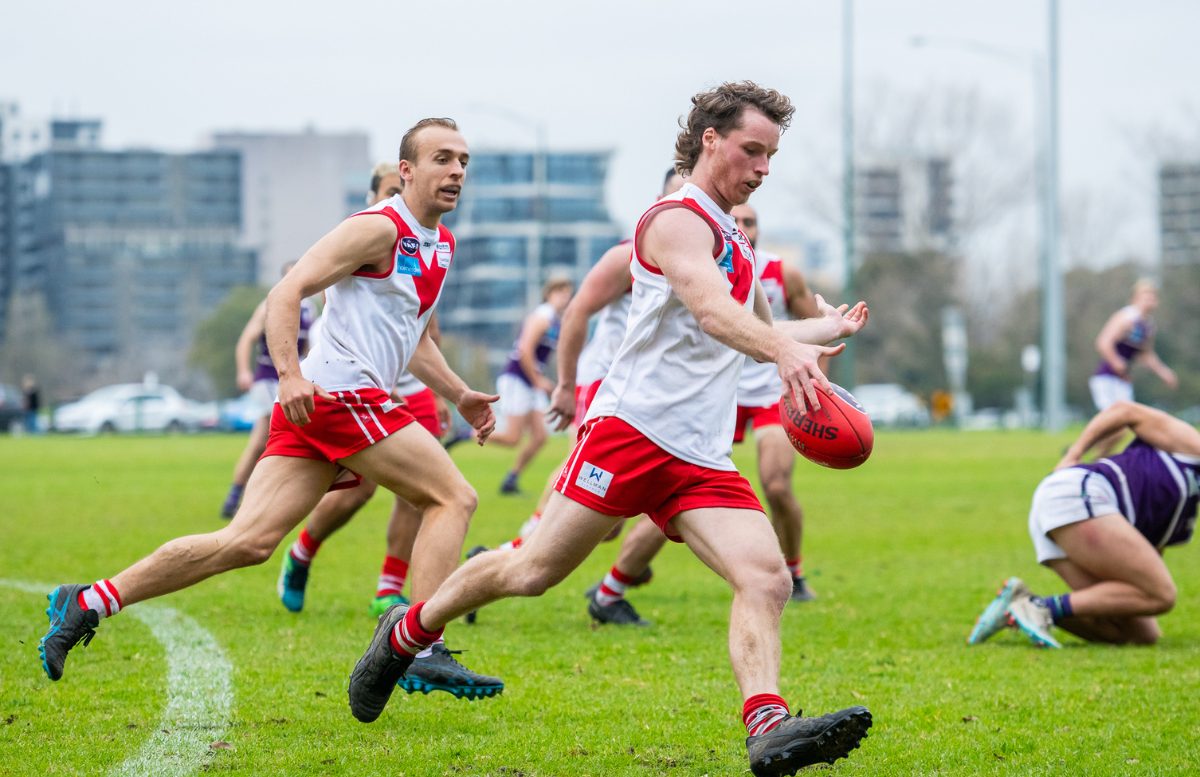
130,249
524,217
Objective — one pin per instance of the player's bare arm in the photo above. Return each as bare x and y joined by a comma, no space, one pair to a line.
245,346
535,328
680,244
1155,427
357,243
430,367
1149,357
1114,330
608,279
801,302
829,324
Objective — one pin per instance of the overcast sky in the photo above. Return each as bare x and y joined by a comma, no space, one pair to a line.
616,74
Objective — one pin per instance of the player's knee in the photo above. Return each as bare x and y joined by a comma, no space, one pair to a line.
1162,596
531,579
769,582
777,488
250,549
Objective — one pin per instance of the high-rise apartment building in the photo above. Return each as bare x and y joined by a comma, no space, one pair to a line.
904,206
130,249
1179,212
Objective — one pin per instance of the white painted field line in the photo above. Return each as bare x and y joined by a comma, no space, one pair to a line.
199,692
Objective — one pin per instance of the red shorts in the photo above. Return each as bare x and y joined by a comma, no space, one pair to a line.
423,407
583,400
757,417
338,429
617,471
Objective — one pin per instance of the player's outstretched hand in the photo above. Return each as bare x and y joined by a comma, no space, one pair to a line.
843,320
296,398
476,407
562,407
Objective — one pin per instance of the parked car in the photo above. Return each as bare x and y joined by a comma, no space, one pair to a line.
12,407
890,404
133,407
238,415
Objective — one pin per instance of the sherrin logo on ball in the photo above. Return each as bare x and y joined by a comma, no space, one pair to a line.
839,435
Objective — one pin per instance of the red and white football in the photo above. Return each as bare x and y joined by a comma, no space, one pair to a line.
839,435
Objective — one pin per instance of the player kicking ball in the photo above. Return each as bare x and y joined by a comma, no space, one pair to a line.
657,438
1103,527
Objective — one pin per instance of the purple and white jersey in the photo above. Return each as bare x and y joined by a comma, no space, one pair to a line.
541,352
1156,491
1134,343
264,368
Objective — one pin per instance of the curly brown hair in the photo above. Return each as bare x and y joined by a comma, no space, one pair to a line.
408,143
721,108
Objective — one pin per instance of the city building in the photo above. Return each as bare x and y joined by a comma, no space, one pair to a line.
296,186
904,206
129,249
1179,212
524,216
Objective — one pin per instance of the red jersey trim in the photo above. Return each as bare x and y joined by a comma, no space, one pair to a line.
718,236
398,222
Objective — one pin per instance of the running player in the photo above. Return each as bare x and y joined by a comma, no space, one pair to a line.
658,435
523,386
262,381
383,271
1127,337
1103,528
436,669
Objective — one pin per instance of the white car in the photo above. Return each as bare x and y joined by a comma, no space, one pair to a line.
890,404
133,407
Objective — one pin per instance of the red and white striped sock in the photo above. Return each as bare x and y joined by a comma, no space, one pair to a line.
613,587
512,544
304,548
102,597
795,566
763,712
529,525
391,578
409,636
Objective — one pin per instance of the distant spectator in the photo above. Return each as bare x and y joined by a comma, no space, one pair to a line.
31,401
1127,337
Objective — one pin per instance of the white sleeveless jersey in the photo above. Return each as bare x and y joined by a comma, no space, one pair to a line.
597,355
669,380
373,321
408,384
761,385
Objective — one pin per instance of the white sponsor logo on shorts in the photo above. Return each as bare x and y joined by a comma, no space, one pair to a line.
592,478
389,406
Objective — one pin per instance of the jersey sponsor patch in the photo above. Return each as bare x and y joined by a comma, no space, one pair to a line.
443,257
407,265
409,245
592,478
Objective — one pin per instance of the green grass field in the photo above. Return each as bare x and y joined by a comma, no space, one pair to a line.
903,553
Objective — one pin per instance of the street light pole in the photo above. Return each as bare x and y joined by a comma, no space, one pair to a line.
847,358
1054,349
1045,80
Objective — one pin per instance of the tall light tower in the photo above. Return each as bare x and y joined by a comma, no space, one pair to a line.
848,252
1054,348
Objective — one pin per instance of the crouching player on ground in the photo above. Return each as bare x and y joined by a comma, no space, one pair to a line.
1103,527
